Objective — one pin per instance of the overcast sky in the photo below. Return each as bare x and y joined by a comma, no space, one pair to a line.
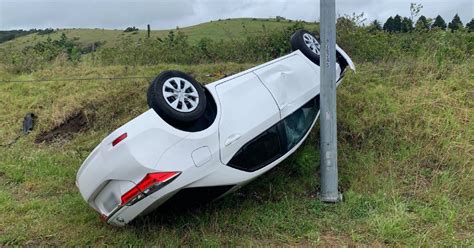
163,14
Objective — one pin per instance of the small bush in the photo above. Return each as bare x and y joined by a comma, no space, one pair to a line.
130,29
42,54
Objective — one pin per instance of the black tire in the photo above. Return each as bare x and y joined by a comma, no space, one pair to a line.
162,105
298,43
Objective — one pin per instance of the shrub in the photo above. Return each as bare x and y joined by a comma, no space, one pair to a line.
130,29
41,54
364,44
12,34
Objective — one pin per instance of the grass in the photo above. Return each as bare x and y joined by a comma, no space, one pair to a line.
405,157
224,29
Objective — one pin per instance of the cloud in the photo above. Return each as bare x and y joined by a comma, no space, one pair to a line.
90,13
171,13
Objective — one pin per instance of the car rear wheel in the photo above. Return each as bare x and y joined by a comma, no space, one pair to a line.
176,96
308,44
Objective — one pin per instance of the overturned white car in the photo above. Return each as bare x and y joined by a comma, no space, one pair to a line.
208,139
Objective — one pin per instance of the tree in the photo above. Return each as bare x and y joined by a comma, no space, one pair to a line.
407,25
357,19
397,23
375,26
439,23
388,26
423,24
130,29
345,24
470,25
280,18
415,9
456,23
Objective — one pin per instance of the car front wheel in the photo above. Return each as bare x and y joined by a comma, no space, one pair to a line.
308,44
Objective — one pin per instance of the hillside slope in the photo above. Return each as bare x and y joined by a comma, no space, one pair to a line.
223,29
405,156
405,141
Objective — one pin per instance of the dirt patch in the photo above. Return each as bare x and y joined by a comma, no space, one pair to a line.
74,124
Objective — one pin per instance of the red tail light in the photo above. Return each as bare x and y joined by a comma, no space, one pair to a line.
147,186
119,139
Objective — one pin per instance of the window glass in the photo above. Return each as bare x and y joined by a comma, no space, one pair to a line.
276,141
259,152
298,124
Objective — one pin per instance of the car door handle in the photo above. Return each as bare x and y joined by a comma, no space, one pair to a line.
233,138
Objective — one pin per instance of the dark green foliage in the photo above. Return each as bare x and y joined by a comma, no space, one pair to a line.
397,23
393,24
92,47
345,24
9,35
422,24
12,34
41,54
175,48
50,49
280,18
407,25
375,26
456,23
389,25
45,31
362,43
439,23
130,29
470,25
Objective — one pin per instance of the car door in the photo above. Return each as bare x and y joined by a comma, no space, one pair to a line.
292,81
247,109
278,140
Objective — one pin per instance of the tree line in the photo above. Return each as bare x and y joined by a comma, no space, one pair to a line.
12,34
400,24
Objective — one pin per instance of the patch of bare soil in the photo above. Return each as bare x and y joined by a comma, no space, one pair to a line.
74,124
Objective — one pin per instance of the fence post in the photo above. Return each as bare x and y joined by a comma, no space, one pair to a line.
148,28
328,169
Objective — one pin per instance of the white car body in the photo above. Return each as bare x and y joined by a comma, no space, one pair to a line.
248,104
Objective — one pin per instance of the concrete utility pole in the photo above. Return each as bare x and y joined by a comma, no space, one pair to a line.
329,179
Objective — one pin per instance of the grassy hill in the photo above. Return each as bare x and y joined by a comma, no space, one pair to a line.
223,29
405,156
405,153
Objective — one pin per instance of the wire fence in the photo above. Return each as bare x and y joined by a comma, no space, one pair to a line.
75,79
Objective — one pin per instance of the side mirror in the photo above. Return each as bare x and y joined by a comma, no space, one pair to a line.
28,123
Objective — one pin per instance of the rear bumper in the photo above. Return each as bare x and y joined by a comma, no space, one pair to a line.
118,216
105,176
110,171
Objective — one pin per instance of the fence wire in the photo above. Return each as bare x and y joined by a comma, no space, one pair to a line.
75,79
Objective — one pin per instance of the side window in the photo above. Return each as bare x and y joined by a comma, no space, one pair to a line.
296,125
259,152
276,141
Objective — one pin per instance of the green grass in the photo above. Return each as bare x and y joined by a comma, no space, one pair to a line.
405,162
224,29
